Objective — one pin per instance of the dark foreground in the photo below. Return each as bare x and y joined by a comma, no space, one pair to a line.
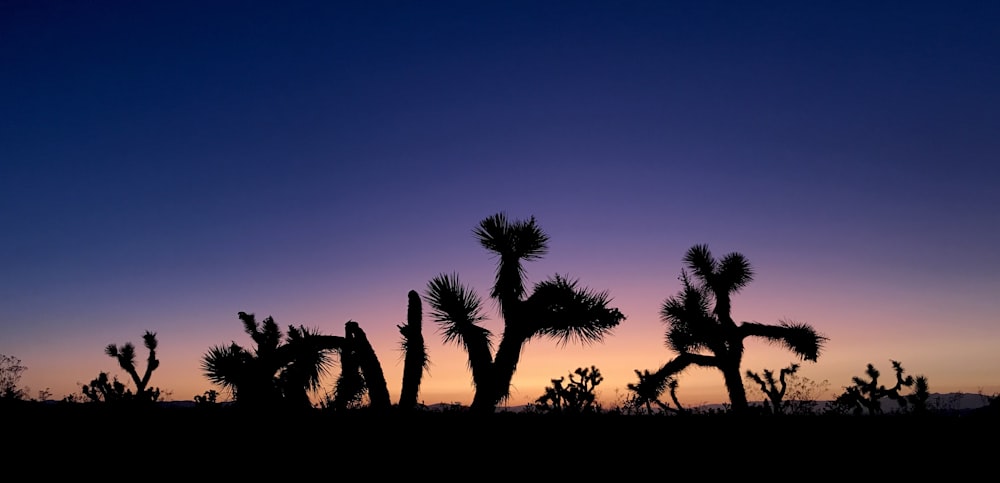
212,443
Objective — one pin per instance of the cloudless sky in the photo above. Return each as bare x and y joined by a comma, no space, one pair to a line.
165,165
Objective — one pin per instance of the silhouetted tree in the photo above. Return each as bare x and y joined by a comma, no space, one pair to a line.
10,376
415,359
773,389
125,355
279,371
283,369
556,308
865,396
577,397
700,327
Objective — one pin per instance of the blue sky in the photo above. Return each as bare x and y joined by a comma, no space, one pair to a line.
165,165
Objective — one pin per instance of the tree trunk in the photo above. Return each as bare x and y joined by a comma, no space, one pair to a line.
734,384
505,364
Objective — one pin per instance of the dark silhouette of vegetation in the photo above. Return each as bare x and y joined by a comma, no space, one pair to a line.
773,389
556,308
208,398
803,396
702,331
371,368
360,375
278,372
104,389
577,397
283,369
125,355
865,396
11,371
649,388
415,360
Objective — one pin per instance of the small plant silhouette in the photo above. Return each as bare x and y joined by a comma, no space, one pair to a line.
577,397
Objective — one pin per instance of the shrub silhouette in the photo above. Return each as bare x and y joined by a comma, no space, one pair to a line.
104,389
577,397
865,395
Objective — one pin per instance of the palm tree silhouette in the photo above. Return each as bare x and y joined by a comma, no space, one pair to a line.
557,308
125,355
706,335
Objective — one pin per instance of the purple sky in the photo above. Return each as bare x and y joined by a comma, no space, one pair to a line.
165,165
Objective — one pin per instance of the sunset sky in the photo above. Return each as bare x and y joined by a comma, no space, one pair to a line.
166,165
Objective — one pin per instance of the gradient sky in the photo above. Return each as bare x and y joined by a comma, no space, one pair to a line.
165,165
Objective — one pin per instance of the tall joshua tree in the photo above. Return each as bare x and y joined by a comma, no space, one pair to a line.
557,308
414,352
125,355
701,329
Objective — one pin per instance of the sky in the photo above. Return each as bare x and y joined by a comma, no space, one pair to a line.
166,165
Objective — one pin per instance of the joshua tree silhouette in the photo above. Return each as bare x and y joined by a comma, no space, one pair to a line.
772,388
707,335
557,308
867,395
125,355
280,371
577,397
283,369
